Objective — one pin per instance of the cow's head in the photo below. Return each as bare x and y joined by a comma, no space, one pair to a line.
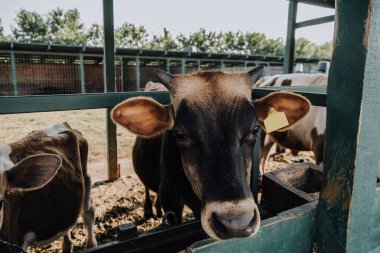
214,122
32,173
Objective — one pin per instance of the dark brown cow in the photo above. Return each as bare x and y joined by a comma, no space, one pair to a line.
205,143
43,194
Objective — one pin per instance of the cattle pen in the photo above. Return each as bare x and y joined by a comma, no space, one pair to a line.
346,217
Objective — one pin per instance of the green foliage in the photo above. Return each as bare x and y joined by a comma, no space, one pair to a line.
30,27
131,36
163,42
65,27
202,40
95,36
2,37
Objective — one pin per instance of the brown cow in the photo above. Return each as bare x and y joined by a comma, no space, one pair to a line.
206,137
43,194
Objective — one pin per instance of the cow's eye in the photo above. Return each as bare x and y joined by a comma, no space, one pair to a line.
255,130
180,136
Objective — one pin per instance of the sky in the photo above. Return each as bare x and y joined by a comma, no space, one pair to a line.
264,16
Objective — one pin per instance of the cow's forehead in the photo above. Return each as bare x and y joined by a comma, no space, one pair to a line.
208,87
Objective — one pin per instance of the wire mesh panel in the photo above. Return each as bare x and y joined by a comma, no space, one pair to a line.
93,74
234,67
192,66
175,67
40,74
147,67
5,75
210,65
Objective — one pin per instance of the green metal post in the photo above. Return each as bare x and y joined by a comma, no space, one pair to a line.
81,72
183,66
137,69
199,65
14,74
352,147
109,82
222,64
290,41
122,73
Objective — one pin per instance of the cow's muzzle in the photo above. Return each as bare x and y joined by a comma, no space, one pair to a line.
224,220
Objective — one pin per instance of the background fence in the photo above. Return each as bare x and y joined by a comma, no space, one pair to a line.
30,69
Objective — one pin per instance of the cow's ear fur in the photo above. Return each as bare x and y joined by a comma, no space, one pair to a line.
293,105
143,116
33,172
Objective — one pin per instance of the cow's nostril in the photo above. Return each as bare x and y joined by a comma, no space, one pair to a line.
237,225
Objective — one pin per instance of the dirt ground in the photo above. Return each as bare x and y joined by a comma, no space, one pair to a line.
121,202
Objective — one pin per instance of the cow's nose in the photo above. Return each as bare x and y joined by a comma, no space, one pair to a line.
234,225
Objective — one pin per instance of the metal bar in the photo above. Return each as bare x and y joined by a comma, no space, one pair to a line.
316,94
122,73
82,74
109,46
137,71
183,66
14,75
199,65
290,41
315,21
288,232
171,239
47,103
352,147
320,3
109,85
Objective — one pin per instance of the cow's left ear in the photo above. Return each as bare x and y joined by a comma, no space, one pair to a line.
33,172
143,116
293,105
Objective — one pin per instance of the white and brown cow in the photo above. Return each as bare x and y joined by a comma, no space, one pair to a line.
202,144
308,133
44,187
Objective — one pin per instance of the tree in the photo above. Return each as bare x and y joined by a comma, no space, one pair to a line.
325,50
30,27
95,36
131,36
202,40
165,42
305,48
258,43
2,37
65,27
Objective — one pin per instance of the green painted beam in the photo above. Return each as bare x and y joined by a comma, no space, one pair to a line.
320,3
316,94
109,84
352,138
82,74
48,103
289,232
290,40
315,21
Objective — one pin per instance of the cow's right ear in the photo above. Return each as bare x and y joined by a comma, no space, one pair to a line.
33,172
143,116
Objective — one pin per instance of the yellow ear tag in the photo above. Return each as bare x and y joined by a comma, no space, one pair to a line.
275,120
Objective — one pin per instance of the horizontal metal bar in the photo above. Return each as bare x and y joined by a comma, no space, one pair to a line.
26,104
316,94
315,21
46,103
320,3
171,239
